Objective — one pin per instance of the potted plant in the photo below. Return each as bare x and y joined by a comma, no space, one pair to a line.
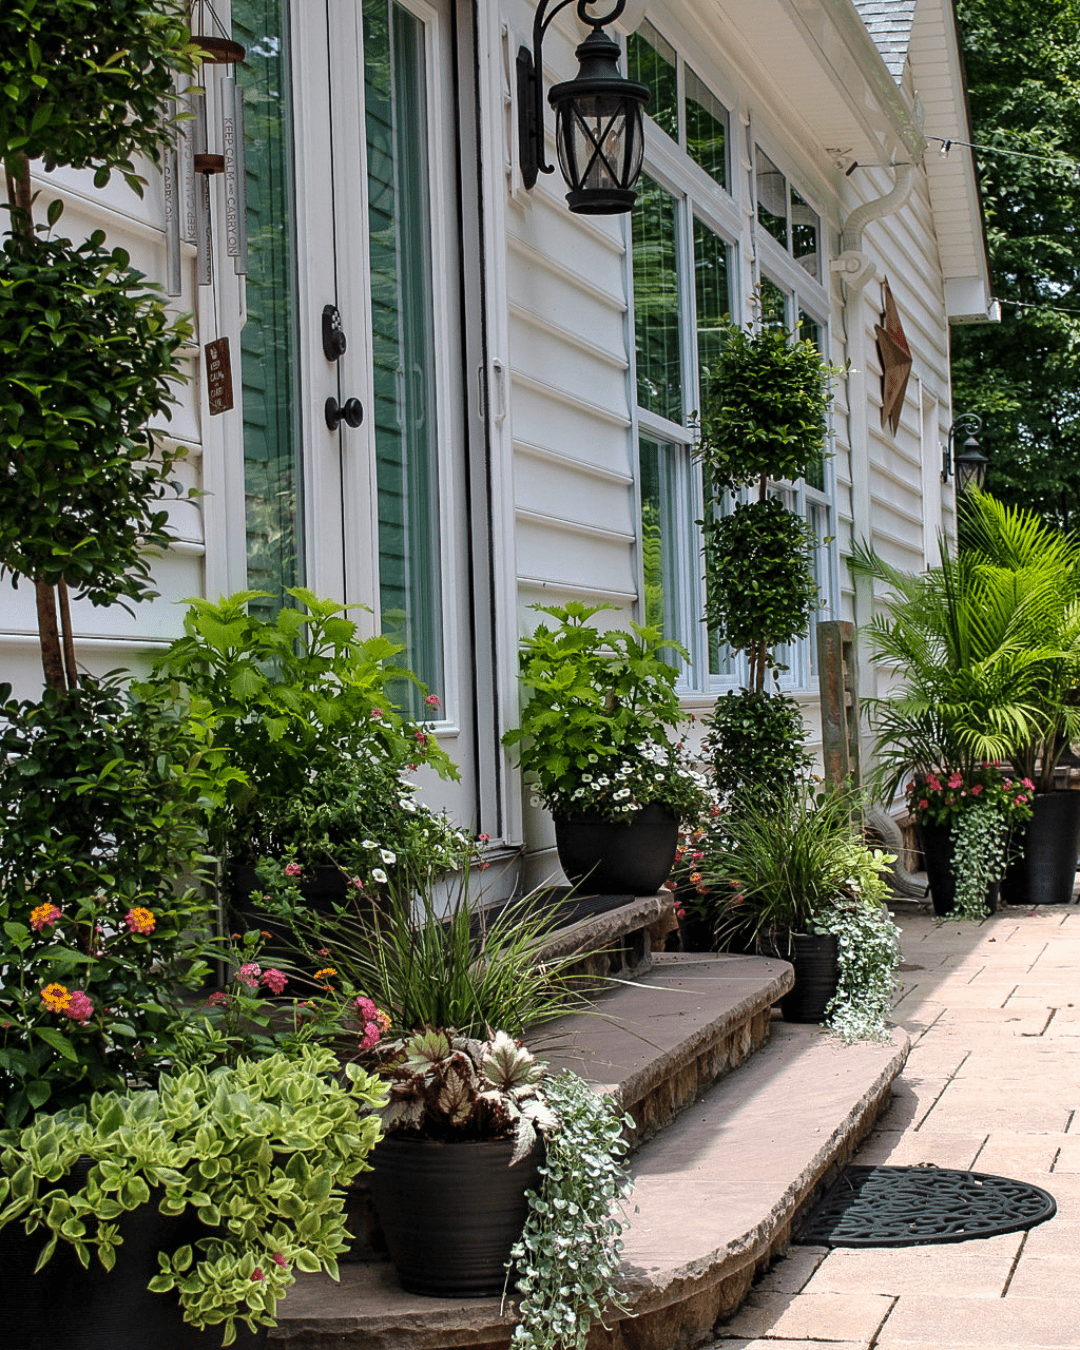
964,819
792,876
463,1185
988,643
200,1197
305,713
595,745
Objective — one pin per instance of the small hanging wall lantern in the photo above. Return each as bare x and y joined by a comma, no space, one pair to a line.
970,464
598,117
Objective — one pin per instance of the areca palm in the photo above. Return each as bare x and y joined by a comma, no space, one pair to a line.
987,645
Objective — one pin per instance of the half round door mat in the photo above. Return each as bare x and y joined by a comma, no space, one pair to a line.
916,1206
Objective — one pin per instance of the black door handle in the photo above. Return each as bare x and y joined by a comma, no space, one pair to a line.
351,412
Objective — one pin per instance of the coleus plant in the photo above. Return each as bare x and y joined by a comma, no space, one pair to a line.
450,1087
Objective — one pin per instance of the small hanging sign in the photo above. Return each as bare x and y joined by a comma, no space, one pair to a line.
219,390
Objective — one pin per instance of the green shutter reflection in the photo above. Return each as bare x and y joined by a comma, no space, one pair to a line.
706,129
713,295
651,59
272,447
659,505
656,301
403,346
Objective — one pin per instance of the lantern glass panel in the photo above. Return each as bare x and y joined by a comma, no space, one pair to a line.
594,137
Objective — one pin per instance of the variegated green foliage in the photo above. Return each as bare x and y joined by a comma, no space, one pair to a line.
451,1087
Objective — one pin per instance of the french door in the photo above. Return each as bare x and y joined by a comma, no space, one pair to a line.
354,293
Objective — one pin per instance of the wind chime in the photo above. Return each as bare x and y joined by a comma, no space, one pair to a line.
210,142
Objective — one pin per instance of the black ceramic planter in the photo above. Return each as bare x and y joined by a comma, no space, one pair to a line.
451,1212
815,958
936,846
1044,872
95,1309
605,858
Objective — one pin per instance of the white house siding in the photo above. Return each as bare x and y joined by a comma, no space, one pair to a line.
560,336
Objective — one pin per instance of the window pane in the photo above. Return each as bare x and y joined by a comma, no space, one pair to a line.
774,305
711,272
659,537
272,448
805,229
651,59
771,197
706,129
656,301
810,331
399,222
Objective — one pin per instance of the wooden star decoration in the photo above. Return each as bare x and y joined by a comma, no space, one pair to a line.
895,362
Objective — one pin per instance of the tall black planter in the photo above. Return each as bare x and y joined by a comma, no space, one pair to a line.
614,859
451,1212
1043,874
936,845
95,1309
815,957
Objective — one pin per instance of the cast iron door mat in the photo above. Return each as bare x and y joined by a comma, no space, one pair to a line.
914,1206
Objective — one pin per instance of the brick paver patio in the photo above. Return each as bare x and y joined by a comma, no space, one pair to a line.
992,1083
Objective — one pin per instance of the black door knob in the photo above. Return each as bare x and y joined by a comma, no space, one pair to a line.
351,412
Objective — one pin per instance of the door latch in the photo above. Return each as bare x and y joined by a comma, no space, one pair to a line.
333,335
351,412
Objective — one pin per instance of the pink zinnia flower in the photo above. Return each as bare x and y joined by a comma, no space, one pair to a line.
275,980
80,1007
44,916
249,974
293,869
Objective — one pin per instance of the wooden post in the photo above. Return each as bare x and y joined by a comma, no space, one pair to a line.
838,684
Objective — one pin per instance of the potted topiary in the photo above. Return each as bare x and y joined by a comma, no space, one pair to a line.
792,875
595,746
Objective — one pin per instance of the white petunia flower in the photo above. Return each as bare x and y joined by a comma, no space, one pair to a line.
379,875
388,857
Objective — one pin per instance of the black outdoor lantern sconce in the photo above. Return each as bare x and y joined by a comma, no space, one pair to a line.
970,464
598,124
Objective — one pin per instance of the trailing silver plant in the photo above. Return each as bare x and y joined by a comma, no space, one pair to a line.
568,1257
979,839
868,950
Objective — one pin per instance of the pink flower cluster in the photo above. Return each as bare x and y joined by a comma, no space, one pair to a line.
251,974
373,1022
80,1007
44,916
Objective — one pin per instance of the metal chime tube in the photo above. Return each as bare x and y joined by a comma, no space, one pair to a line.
188,225
232,136
171,192
204,266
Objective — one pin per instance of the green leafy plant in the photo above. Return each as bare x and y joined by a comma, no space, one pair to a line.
764,410
86,84
754,743
594,732
868,952
301,708
446,1086
101,796
567,1261
774,866
761,590
441,962
87,354
259,1153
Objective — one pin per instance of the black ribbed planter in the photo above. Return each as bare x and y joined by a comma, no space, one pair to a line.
451,1212
95,1309
606,858
1044,873
936,845
815,957
321,893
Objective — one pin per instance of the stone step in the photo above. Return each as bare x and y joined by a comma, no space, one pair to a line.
715,1192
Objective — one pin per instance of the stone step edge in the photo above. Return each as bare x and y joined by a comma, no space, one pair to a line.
680,1306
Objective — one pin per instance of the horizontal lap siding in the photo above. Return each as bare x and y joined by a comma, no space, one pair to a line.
107,638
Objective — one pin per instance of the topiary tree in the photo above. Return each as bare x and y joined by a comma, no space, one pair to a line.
87,351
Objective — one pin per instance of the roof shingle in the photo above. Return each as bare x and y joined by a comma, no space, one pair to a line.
889,23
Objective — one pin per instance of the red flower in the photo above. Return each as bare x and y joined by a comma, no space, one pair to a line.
923,804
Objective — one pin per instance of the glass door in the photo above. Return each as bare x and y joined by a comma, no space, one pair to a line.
352,181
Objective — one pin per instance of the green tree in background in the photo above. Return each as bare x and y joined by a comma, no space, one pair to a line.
1022,376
